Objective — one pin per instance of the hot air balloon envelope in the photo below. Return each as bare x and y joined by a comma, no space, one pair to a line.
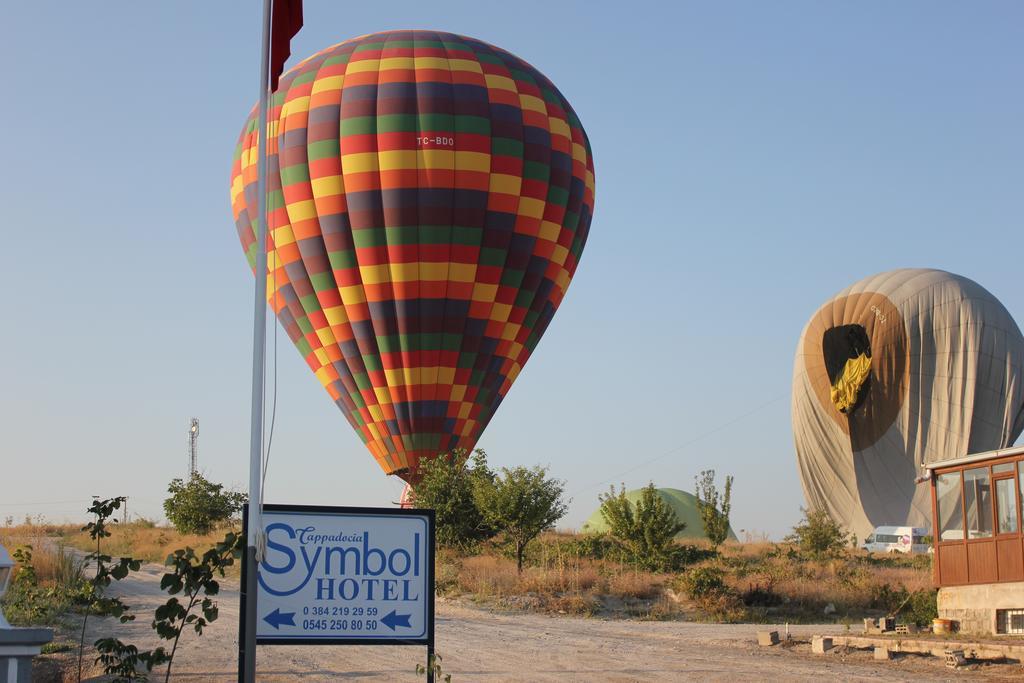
429,198
901,369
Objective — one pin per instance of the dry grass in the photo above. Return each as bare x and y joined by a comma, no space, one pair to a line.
761,581
636,584
145,542
559,577
141,540
569,574
53,562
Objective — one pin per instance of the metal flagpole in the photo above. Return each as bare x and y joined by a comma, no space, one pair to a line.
247,639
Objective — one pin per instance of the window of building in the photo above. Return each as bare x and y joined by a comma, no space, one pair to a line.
1010,621
978,502
951,512
1006,505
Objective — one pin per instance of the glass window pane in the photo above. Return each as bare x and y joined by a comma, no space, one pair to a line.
978,503
951,512
1006,505
1002,469
1021,489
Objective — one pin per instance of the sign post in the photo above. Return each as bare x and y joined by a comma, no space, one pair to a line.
346,576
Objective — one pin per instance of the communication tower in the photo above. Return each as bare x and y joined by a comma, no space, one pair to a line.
193,445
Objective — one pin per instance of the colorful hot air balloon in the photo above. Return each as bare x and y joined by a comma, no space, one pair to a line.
902,368
429,197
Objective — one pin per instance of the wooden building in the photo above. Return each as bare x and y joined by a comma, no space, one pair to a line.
979,546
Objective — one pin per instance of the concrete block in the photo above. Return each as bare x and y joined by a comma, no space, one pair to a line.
820,645
883,653
767,638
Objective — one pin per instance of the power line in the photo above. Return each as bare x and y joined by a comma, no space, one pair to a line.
45,502
683,445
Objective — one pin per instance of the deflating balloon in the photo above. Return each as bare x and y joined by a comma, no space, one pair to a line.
429,197
902,368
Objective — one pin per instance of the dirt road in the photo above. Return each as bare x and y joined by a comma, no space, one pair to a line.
484,646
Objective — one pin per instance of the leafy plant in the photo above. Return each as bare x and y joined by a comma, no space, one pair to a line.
707,588
198,505
434,665
521,503
30,600
704,582
125,662
714,508
818,534
190,575
647,529
195,578
922,606
446,486
106,571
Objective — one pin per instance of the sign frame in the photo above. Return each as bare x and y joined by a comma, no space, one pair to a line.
349,511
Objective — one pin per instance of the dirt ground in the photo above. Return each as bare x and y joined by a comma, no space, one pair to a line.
477,645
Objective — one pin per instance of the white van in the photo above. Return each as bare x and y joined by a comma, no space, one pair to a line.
897,539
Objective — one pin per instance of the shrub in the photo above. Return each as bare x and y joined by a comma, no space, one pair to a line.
818,534
45,584
701,583
646,530
682,555
446,486
197,506
757,595
714,508
922,607
520,503
706,586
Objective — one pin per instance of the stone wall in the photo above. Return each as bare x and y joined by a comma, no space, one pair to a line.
973,608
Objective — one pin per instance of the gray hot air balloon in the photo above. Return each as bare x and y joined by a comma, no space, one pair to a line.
902,368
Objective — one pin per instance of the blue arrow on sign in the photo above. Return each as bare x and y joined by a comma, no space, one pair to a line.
392,620
277,619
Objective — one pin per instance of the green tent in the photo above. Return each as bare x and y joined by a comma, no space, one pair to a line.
684,504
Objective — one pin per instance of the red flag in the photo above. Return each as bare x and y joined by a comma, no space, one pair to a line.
285,22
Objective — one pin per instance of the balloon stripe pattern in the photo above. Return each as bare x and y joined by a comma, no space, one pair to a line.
429,197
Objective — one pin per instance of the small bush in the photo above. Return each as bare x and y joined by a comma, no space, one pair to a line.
701,583
682,556
922,607
819,535
757,595
884,596
199,505
645,530
46,584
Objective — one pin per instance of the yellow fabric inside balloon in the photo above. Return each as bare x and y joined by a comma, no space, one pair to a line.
855,373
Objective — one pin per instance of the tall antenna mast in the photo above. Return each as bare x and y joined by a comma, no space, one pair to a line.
193,446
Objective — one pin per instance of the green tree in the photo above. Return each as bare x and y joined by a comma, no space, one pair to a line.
818,534
198,505
520,503
446,486
646,529
714,508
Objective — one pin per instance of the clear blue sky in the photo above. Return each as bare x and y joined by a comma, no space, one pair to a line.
752,159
